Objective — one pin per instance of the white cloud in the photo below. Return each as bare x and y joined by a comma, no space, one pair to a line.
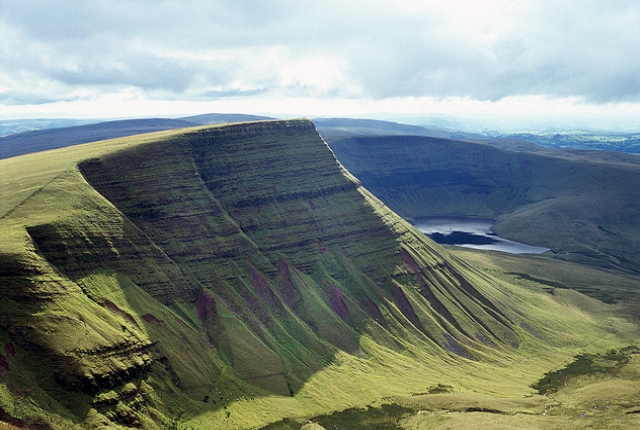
337,52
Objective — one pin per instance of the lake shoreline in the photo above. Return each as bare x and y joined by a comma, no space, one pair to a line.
476,233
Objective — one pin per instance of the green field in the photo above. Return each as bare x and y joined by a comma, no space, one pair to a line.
238,277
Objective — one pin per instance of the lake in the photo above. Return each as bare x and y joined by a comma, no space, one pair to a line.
471,233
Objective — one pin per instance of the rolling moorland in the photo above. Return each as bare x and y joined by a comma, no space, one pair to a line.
238,276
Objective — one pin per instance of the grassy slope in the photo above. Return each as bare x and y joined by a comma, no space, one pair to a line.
137,307
603,394
583,207
608,285
61,136
42,140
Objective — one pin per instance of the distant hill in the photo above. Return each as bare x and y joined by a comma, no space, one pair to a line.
341,127
61,136
42,140
582,204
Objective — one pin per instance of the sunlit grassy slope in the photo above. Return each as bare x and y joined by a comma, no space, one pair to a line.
234,276
608,285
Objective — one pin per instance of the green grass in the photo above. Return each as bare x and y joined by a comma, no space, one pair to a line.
586,364
597,391
232,277
610,286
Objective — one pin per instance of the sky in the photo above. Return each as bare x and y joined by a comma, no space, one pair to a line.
499,64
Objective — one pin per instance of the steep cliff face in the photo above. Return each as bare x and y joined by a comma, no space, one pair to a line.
234,206
219,262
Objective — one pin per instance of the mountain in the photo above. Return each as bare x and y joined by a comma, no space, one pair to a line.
339,127
235,276
579,203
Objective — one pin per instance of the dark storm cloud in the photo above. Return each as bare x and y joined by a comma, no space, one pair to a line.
375,49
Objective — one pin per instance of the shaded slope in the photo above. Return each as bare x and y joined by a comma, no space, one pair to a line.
186,272
333,128
575,203
265,211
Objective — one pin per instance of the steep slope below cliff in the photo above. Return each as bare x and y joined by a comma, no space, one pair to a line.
267,200
204,271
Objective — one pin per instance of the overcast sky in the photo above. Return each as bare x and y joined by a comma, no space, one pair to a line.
573,63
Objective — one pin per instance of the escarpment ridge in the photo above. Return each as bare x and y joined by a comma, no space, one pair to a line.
186,271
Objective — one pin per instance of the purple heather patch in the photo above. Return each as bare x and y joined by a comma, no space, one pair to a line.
205,306
337,303
10,350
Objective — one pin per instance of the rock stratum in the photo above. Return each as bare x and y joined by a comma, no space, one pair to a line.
149,279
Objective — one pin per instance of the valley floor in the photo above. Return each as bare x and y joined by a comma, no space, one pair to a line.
572,386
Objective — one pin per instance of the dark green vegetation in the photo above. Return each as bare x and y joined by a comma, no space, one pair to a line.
234,276
583,205
384,417
586,364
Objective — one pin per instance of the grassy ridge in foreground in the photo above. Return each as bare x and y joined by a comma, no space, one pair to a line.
229,277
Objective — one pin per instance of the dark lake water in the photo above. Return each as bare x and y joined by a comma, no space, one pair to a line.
471,233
